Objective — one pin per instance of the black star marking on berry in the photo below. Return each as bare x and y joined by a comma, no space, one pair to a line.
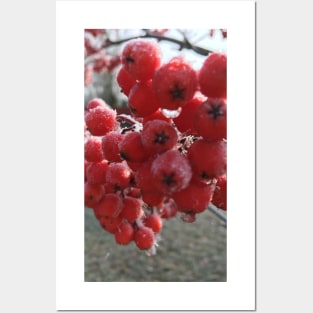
168,179
215,111
129,59
161,137
204,175
177,92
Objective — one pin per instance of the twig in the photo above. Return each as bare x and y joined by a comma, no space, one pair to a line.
219,214
182,44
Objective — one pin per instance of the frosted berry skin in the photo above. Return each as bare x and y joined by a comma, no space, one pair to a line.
140,58
154,222
132,209
171,172
210,119
144,238
101,120
158,136
208,159
93,149
175,83
131,148
118,175
110,224
93,194
142,100
109,145
96,172
93,103
125,81
184,122
124,233
193,198
213,76
110,205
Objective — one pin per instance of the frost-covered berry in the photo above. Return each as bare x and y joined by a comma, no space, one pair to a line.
175,83
185,122
124,233
96,172
93,149
213,76
208,159
193,198
144,238
132,209
118,175
109,145
210,119
158,136
93,194
142,100
131,148
100,120
125,81
140,58
111,205
171,172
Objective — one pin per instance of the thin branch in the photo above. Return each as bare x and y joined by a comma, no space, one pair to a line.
182,44
212,208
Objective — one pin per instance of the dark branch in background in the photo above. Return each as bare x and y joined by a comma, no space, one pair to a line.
185,44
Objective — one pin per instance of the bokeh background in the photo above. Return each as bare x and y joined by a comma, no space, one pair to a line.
187,251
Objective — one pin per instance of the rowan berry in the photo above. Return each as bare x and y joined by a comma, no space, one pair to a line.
144,238
174,83
213,76
210,119
140,58
93,149
171,172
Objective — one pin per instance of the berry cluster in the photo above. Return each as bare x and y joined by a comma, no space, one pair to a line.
168,157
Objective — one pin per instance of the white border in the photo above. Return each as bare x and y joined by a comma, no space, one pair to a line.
238,293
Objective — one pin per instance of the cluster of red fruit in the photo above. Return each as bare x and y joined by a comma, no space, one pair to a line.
169,156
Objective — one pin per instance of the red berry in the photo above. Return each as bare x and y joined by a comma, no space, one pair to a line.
144,238
208,158
96,172
111,205
184,122
110,224
125,81
213,76
143,176
142,99
175,83
110,148
132,209
118,175
210,119
141,58
93,149
193,198
154,222
93,103
158,136
131,148
93,194
124,233
101,120
171,172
